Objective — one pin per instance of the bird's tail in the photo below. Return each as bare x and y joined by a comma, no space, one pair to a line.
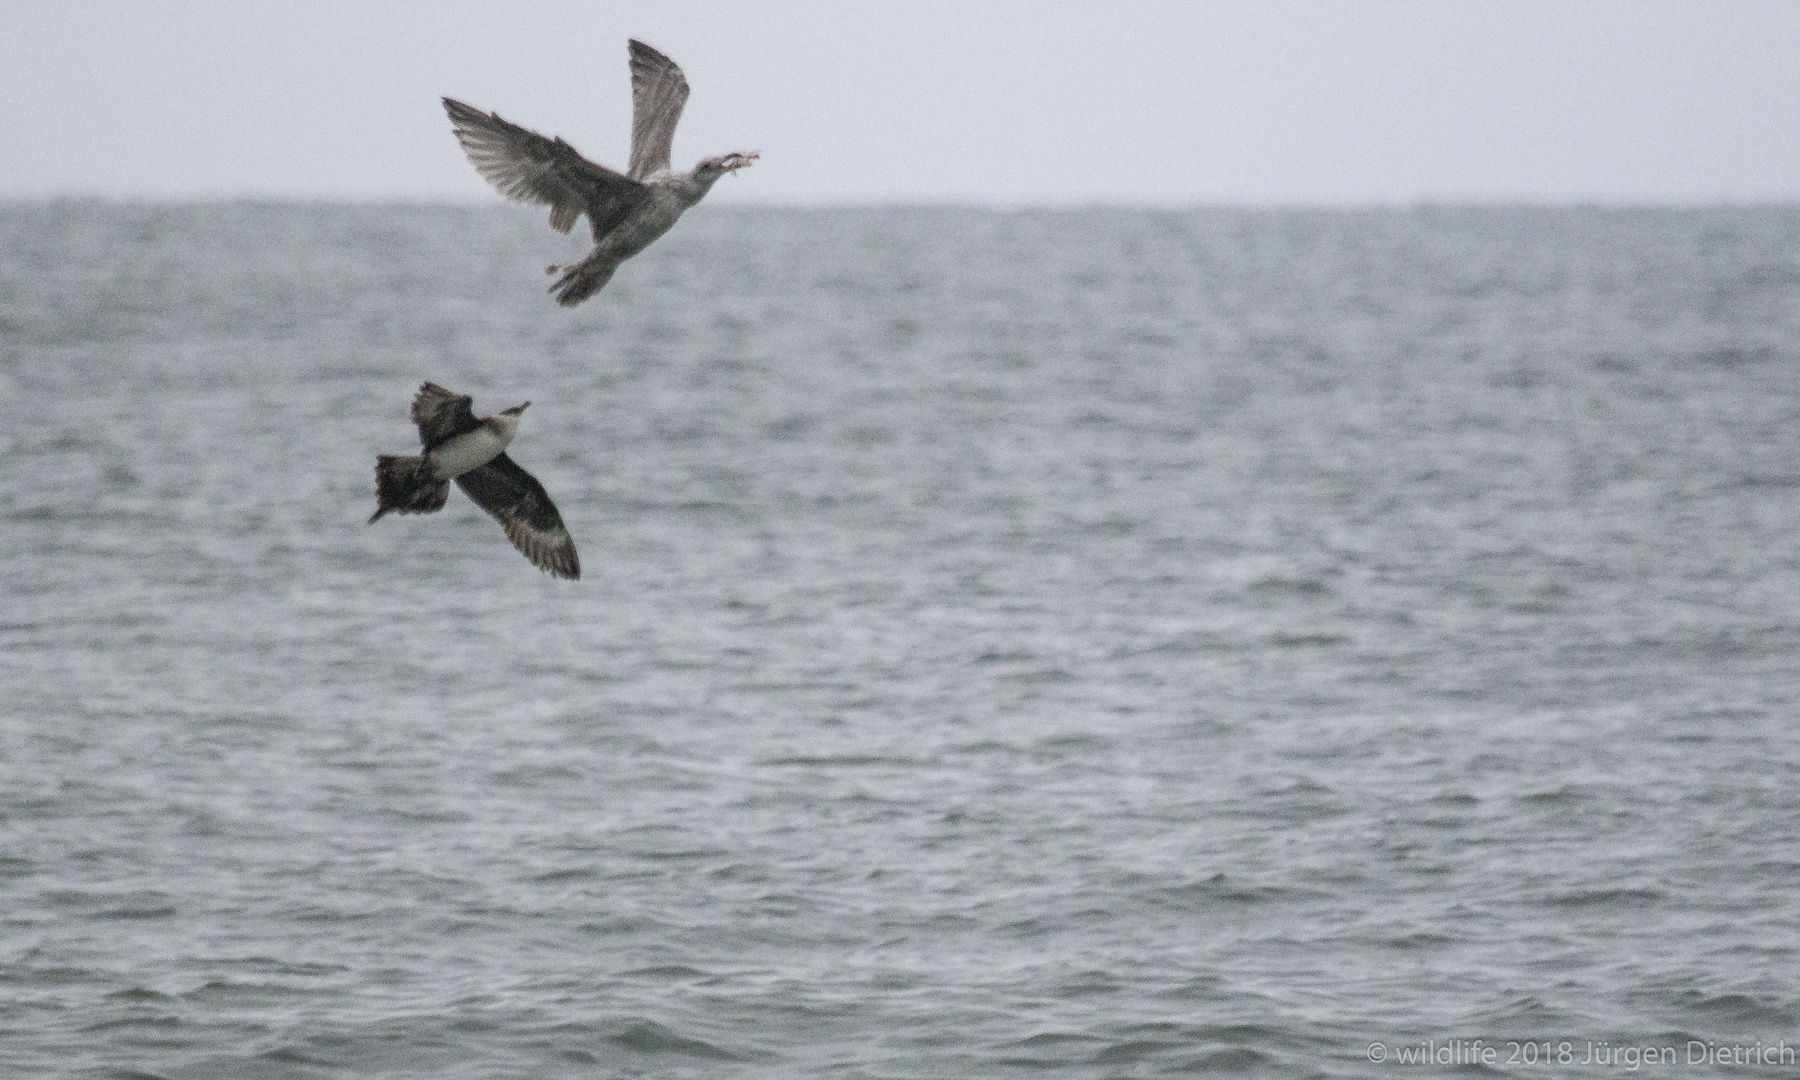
407,485
581,281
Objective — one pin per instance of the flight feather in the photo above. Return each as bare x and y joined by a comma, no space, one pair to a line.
523,508
659,91
526,166
441,414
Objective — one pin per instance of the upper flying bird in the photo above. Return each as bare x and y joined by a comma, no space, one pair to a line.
626,210
472,451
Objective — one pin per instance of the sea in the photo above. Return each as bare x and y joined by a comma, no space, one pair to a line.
1088,643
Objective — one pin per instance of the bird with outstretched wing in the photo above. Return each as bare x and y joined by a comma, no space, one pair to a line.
626,211
471,450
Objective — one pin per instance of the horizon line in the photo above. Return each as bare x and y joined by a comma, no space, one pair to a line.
989,206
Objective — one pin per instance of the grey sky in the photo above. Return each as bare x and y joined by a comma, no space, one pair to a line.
1271,101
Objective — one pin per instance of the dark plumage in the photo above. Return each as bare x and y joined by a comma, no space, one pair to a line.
471,451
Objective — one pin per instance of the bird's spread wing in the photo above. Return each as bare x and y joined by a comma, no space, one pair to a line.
522,506
441,414
658,92
524,165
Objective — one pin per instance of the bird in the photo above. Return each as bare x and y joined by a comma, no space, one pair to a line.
472,451
627,211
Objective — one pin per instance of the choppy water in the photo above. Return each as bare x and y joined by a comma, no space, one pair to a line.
1089,644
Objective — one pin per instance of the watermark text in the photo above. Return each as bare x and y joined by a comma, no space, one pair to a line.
1597,1053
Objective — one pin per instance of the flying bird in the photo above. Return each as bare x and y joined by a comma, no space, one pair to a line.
626,210
472,451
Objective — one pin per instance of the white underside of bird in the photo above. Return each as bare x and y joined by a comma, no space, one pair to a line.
473,449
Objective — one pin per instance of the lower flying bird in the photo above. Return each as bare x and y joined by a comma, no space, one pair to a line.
626,210
472,451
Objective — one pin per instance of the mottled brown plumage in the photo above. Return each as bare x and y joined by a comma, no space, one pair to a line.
626,211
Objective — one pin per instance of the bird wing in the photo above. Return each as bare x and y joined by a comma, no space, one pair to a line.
658,92
526,166
522,506
441,414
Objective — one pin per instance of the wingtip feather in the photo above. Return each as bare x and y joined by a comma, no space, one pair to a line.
553,553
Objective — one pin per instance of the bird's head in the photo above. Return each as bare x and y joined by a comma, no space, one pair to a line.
508,419
714,167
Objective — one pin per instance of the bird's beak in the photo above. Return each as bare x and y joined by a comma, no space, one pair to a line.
740,161
525,406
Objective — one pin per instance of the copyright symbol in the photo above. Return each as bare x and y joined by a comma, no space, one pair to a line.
1377,1052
